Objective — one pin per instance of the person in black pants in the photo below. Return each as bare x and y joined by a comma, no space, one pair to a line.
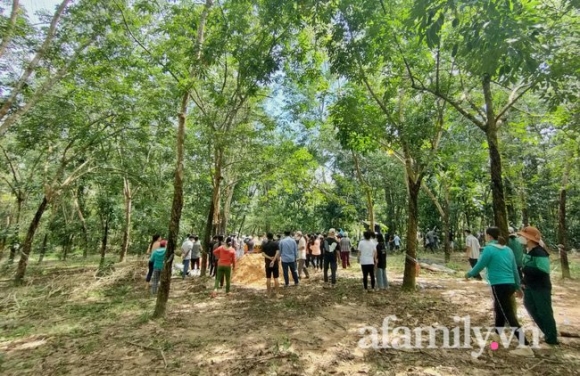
331,256
367,258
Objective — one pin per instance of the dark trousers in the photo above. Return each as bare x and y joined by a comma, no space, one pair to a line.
149,272
538,302
504,310
212,265
195,262
292,266
368,270
330,262
320,261
472,262
309,260
345,258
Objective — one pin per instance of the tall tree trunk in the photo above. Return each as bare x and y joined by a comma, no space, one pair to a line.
104,241
85,229
498,195
497,189
176,208
127,194
207,240
409,275
562,228
226,212
43,248
27,247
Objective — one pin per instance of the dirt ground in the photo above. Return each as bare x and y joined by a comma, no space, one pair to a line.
65,321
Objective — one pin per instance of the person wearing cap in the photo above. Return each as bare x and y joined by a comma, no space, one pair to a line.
158,258
517,248
537,285
504,279
331,257
345,247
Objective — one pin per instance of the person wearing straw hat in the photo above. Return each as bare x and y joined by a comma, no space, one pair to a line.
537,285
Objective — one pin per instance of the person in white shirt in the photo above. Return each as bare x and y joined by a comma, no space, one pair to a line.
367,258
186,249
397,241
301,255
472,250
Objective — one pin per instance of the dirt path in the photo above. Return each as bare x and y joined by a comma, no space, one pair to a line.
308,330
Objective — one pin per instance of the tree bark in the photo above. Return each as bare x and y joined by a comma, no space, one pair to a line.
176,208
85,229
409,276
562,228
207,240
104,241
498,194
10,29
27,247
43,248
497,189
127,194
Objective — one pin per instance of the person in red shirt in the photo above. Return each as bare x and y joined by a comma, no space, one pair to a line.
226,256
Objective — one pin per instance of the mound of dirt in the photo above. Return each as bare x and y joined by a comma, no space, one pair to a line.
249,270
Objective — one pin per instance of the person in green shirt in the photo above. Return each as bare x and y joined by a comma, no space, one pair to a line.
504,280
537,285
517,248
158,258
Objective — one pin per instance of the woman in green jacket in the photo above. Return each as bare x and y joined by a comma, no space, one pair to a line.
503,276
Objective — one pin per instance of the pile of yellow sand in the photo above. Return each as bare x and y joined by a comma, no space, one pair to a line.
249,270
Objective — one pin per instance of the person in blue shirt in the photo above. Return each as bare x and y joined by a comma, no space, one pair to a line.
288,256
158,258
503,277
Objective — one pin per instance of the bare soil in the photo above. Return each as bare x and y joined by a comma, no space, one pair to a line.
66,321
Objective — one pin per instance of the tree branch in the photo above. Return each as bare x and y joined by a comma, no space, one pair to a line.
16,90
10,28
513,98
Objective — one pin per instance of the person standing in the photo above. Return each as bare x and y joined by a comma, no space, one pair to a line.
186,248
271,253
158,259
537,285
153,245
301,255
250,243
345,246
503,277
517,248
226,256
331,256
382,282
316,255
196,254
288,256
367,258
397,241
472,250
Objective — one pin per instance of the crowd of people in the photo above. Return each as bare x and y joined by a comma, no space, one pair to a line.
517,266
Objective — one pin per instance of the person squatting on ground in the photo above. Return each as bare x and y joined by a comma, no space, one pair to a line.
472,250
226,255
345,246
331,255
288,256
158,259
504,279
152,246
382,282
186,248
271,253
367,258
537,285
301,255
